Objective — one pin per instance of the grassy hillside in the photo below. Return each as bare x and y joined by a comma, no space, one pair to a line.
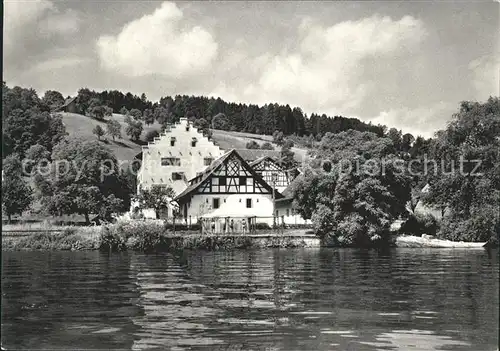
237,140
124,149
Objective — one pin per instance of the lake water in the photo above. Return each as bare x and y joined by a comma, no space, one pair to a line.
293,299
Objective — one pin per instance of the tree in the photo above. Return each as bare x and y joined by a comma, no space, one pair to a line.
148,116
220,121
22,129
84,179
124,111
356,208
98,131
53,99
407,141
136,114
267,146
396,137
134,129
162,115
467,182
114,128
252,145
96,109
278,138
203,125
157,198
108,111
16,194
152,134
353,205
287,157
83,99
35,155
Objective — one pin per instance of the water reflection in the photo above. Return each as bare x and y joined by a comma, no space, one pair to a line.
304,299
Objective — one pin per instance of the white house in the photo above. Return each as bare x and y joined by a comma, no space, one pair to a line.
179,154
229,188
285,208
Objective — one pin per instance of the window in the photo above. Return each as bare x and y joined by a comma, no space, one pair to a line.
193,142
222,181
170,161
187,128
277,213
287,212
243,180
215,203
249,203
177,175
172,141
207,161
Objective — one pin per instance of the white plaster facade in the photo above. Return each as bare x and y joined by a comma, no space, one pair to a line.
230,205
192,159
181,151
285,210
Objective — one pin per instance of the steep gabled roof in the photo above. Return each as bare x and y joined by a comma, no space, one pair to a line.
202,178
262,159
66,103
250,155
287,193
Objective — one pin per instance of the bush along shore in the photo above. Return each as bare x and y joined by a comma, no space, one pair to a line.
144,237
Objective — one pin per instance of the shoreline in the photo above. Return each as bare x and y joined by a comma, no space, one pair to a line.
154,236
137,236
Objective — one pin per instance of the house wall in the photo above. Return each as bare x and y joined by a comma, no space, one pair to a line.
230,205
286,211
71,107
192,158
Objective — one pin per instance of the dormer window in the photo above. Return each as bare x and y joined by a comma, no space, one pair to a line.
207,161
172,141
194,141
187,128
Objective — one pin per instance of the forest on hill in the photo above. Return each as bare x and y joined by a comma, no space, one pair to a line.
238,117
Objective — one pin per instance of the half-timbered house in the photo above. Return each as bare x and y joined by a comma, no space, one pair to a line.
272,173
229,188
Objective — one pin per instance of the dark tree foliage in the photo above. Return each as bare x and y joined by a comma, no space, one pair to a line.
85,179
53,99
467,180
151,135
252,145
267,146
16,194
26,121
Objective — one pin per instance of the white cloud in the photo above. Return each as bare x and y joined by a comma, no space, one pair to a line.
326,72
486,76
158,43
422,121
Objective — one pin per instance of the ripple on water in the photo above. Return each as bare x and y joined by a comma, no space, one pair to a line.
419,340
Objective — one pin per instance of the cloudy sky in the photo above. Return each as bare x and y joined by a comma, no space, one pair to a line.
404,64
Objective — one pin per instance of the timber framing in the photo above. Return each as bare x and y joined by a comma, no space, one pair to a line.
230,174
